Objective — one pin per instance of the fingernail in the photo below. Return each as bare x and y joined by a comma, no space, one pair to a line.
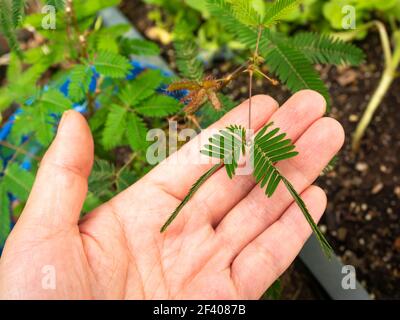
63,119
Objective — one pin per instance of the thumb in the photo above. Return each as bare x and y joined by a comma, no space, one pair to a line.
60,187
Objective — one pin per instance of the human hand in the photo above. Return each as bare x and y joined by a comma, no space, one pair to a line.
229,242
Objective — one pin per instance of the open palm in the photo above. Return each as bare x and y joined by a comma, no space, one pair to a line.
229,242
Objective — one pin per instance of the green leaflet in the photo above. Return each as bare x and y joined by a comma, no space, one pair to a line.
18,181
9,18
186,59
141,87
111,64
245,13
55,102
58,4
245,34
136,132
114,127
326,247
37,118
18,11
89,8
101,179
227,146
5,219
80,78
277,10
158,106
138,47
269,148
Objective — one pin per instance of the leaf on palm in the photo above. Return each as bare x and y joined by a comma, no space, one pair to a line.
196,186
227,145
268,148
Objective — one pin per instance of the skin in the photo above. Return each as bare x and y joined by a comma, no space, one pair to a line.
229,242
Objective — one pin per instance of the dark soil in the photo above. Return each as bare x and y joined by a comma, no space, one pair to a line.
363,215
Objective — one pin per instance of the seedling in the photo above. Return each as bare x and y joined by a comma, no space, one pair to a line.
291,60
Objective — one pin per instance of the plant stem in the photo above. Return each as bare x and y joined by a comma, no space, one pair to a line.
18,150
391,64
250,69
191,193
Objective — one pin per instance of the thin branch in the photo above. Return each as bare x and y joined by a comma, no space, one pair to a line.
18,150
251,68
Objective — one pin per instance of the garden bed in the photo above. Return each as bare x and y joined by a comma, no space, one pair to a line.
362,219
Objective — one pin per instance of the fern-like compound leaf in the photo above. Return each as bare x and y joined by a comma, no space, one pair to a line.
101,178
245,13
190,194
247,35
326,49
18,181
18,11
158,106
114,127
55,102
189,66
278,10
80,78
331,165
111,64
58,4
7,27
294,69
138,47
5,218
141,88
227,145
326,247
268,148
136,131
